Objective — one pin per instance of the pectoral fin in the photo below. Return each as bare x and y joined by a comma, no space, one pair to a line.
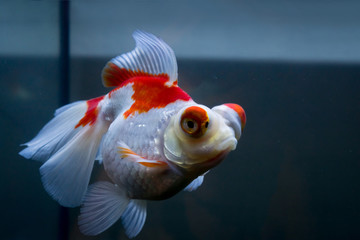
126,152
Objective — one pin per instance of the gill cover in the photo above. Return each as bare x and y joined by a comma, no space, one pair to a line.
197,134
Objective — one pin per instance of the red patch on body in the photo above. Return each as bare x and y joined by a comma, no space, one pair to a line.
91,113
113,76
151,92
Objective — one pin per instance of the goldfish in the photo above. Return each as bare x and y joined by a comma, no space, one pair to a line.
152,138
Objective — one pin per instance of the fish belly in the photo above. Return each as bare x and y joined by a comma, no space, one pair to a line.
143,134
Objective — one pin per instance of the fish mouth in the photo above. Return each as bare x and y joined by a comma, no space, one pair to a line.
210,163
228,144
223,150
218,158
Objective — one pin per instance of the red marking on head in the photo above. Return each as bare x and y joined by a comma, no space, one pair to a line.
196,113
113,76
91,113
240,111
194,121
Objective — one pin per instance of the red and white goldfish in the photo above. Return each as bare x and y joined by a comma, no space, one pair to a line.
152,138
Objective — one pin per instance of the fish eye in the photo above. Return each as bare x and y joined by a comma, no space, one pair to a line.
194,121
189,126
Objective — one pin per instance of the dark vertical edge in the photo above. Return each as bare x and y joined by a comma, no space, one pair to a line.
64,51
64,89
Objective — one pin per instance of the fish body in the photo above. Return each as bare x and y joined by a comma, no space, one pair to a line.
152,138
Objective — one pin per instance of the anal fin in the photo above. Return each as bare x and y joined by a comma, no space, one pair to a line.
103,205
134,217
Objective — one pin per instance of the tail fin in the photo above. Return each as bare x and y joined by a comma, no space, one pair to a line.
68,145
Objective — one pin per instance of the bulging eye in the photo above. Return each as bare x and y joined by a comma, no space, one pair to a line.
189,126
194,121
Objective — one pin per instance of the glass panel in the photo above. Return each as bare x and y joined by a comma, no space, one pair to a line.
28,98
294,67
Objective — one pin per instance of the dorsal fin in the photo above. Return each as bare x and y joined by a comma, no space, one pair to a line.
151,57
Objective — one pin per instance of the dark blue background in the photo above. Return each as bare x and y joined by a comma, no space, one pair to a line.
294,174
293,65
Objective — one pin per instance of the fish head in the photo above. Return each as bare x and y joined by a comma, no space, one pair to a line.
198,137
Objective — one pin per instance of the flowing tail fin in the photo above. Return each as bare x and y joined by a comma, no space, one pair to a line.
68,145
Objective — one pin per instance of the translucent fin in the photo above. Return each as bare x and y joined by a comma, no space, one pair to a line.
66,107
68,144
151,57
66,174
104,203
99,152
195,184
56,133
134,217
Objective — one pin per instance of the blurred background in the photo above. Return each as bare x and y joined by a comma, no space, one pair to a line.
294,66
